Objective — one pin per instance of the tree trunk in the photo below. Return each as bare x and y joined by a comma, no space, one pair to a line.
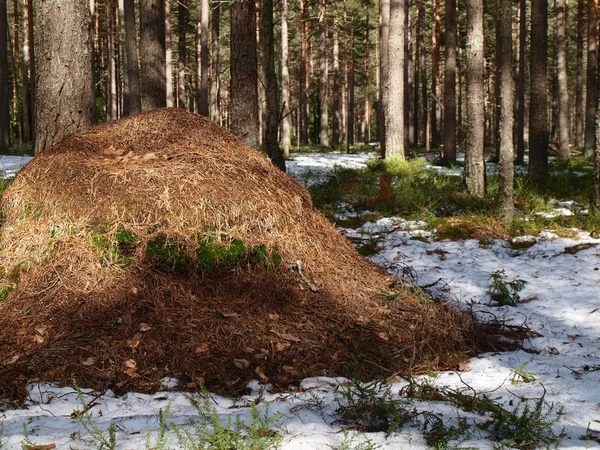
64,97
520,129
350,115
133,71
395,138
182,21
111,107
262,100
285,81
32,71
215,88
408,77
435,73
421,113
203,105
384,30
507,92
126,107
153,64
324,76
4,87
26,99
271,90
303,87
592,68
538,112
243,101
563,86
335,135
367,118
168,55
595,200
579,84
474,154
450,84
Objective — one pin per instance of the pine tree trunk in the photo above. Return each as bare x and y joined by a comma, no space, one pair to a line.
4,87
182,20
285,81
579,83
168,55
395,138
303,87
384,30
450,84
33,72
367,131
262,100
243,98
26,99
507,92
271,90
592,68
133,71
521,86
421,107
111,107
408,78
153,64
595,201
203,105
126,108
324,76
475,71
64,98
215,89
563,86
350,114
335,134
538,113
435,73
17,111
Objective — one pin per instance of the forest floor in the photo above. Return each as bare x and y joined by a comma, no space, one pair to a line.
446,248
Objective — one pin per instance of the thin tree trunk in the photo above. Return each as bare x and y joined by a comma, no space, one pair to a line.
538,112
474,154
521,81
203,106
215,89
592,68
384,30
123,59
65,100
168,55
335,135
271,90
367,132
17,111
243,92
435,73
153,65
182,20
595,200
262,100
395,115
324,75
4,86
450,84
285,81
563,87
303,78
408,77
350,115
133,71
111,108
421,114
507,91
26,99
579,84
33,72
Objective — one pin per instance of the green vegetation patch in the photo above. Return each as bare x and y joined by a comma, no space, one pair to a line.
117,248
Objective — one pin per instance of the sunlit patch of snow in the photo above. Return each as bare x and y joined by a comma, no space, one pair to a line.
10,165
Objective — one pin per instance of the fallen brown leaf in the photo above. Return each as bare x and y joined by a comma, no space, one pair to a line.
241,363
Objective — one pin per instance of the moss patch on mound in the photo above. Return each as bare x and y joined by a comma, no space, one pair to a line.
160,245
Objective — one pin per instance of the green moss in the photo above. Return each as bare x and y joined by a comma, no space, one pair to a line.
269,260
112,248
169,254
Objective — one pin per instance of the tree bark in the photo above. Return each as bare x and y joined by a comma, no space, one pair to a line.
64,98
133,71
538,112
351,106
592,68
450,84
203,105
17,109
520,129
182,21
435,73
285,81
4,87
303,87
122,66
409,131
384,30
168,55
367,117
324,76
335,134
111,107
26,92
579,83
395,137
421,106
475,71
32,72
215,89
153,55
563,86
271,90
507,91
243,101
